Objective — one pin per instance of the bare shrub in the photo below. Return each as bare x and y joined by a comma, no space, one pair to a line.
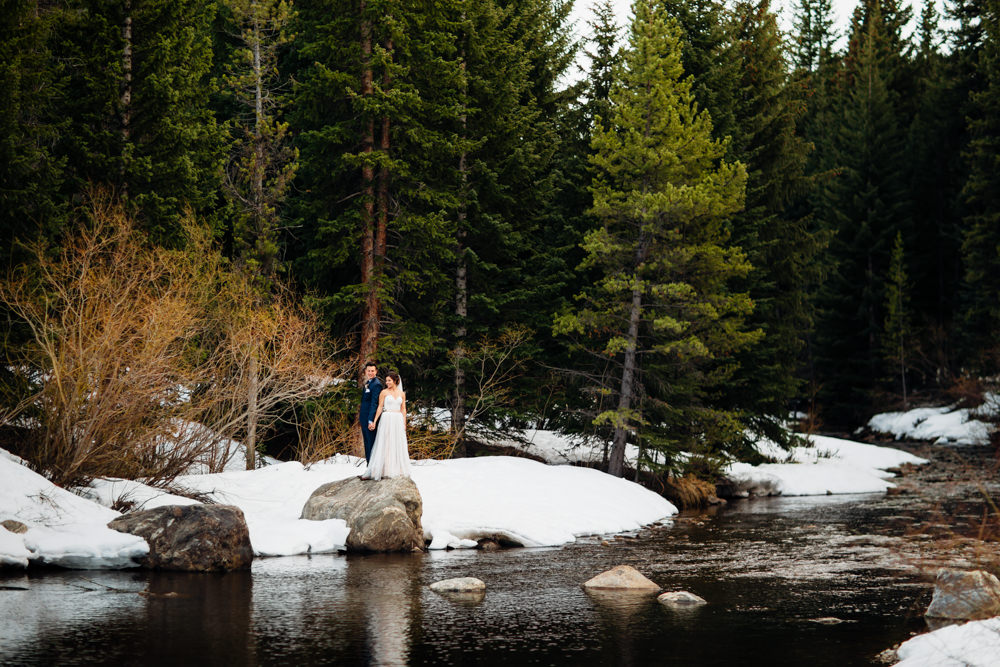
112,323
270,355
143,361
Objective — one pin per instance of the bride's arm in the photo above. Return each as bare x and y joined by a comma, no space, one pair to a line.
381,401
402,408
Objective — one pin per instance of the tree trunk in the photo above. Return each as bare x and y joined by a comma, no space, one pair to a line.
370,315
461,284
251,442
616,464
126,97
259,212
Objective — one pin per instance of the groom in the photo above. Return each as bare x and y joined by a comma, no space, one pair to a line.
369,404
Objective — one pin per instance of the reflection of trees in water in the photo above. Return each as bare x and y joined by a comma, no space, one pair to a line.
200,618
387,587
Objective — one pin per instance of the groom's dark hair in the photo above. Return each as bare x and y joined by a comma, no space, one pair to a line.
370,363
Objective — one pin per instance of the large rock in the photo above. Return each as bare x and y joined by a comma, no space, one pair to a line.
196,538
966,596
623,577
383,515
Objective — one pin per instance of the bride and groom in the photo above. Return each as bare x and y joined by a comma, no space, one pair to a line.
383,425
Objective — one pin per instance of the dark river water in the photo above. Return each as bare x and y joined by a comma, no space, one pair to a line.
789,581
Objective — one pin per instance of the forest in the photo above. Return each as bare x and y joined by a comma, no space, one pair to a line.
217,210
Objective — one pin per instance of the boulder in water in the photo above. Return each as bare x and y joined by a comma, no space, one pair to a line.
382,515
964,596
195,538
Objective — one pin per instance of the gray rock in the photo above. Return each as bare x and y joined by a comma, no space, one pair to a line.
459,585
963,595
680,599
623,577
195,538
14,526
383,515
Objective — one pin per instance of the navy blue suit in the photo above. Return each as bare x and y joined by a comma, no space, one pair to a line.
369,406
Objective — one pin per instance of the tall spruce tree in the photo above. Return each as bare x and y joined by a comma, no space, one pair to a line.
31,83
661,192
865,206
138,103
981,242
780,244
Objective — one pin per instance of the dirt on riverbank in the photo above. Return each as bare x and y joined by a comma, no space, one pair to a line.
948,512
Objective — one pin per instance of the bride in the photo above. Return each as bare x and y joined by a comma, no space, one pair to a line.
390,455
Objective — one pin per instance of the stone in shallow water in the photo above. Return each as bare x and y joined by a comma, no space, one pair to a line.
383,515
196,538
965,595
459,585
623,577
680,599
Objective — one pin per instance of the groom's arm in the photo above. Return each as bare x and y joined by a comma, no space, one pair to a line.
376,388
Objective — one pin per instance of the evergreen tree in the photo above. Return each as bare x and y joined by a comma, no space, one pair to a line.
865,205
781,247
897,316
981,242
262,163
936,174
708,58
138,104
661,193
31,82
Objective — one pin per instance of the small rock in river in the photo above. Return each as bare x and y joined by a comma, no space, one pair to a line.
605,543
459,585
680,599
623,577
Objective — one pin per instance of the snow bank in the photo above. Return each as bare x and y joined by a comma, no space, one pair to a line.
63,529
943,426
830,466
974,644
555,447
464,499
529,502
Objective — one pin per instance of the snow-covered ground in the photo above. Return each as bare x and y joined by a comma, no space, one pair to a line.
529,502
829,466
942,425
974,644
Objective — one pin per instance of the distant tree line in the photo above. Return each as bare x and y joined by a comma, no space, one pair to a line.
716,224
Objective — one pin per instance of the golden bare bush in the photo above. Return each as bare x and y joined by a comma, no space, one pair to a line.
142,360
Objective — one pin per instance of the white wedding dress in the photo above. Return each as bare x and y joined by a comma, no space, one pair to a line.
390,453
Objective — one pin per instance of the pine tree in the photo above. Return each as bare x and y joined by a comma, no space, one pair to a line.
981,242
898,332
661,193
864,206
262,163
781,246
138,104
31,82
